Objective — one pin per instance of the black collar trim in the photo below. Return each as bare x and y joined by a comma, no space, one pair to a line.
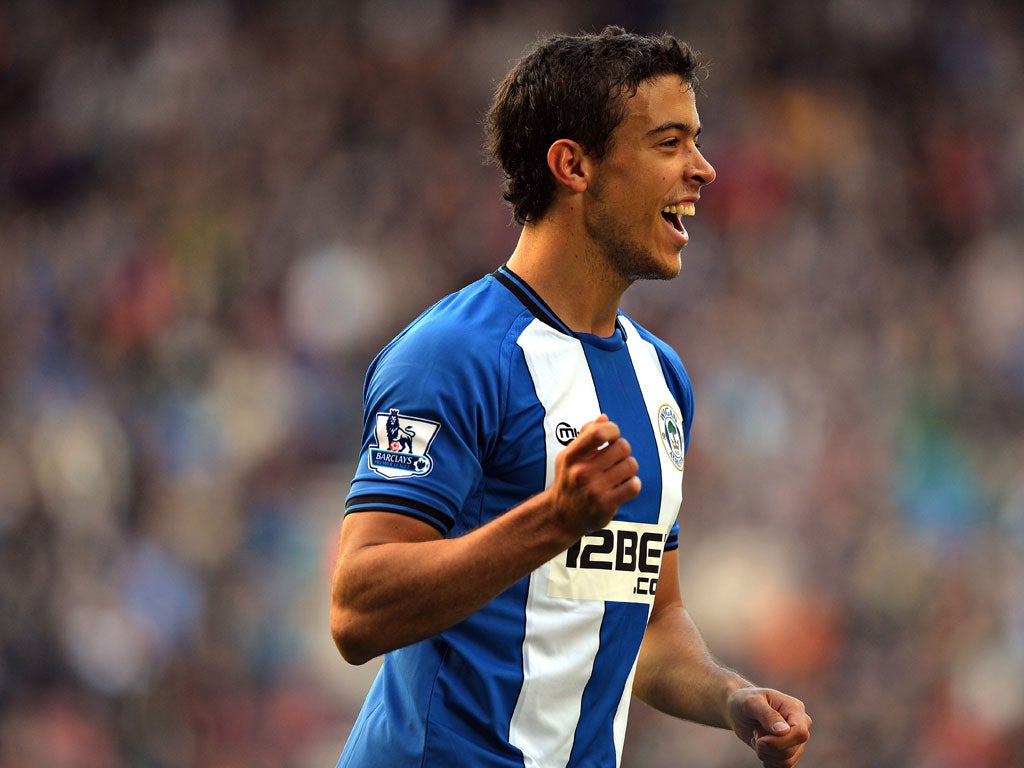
530,299
533,302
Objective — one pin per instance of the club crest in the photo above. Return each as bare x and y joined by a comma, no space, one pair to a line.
403,444
671,434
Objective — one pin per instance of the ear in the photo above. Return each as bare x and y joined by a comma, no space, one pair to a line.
568,164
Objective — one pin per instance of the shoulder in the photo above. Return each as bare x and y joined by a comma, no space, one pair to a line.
481,310
464,336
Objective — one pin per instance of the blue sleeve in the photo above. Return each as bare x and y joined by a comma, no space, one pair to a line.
429,406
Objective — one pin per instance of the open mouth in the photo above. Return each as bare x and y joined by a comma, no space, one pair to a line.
673,215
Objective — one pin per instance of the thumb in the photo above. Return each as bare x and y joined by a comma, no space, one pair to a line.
772,723
755,714
769,721
777,728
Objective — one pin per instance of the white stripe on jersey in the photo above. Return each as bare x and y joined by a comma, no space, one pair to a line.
647,365
544,721
556,671
648,370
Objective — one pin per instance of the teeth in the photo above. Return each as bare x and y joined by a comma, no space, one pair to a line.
683,209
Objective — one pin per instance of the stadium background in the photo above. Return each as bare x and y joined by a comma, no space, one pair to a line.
212,213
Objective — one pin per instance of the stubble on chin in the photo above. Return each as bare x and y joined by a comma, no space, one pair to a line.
631,260
627,258
635,263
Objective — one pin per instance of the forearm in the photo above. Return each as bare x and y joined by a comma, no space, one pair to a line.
676,673
389,594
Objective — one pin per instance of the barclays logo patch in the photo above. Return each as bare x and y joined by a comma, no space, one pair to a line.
403,445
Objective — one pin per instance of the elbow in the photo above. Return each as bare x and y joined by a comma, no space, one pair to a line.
350,637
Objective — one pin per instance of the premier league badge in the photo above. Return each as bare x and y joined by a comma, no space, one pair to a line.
403,444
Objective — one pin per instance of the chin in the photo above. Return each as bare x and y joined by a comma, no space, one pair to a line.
634,263
661,271
653,275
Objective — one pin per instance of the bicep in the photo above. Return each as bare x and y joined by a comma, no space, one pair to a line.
363,530
371,580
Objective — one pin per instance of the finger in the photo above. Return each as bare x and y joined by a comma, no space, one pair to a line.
798,722
594,442
595,433
602,419
603,472
773,757
786,742
790,708
611,455
772,721
797,734
779,727
622,492
621,470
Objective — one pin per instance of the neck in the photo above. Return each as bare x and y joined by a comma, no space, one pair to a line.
574,281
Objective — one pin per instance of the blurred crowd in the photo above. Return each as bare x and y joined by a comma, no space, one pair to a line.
213,213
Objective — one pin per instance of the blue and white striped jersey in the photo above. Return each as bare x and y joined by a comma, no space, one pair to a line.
464,413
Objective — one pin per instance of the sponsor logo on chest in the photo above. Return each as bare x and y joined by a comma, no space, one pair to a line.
620,563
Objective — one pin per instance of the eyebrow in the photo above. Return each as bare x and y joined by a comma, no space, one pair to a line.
672,125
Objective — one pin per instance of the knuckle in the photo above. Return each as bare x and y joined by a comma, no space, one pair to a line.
576,474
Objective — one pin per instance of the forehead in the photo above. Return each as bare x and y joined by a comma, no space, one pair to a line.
661,100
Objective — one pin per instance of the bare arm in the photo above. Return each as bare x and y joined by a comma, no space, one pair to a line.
677,675
397,581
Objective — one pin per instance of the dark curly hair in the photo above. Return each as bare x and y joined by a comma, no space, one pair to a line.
572,87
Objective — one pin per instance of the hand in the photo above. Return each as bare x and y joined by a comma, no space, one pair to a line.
594,476
775,725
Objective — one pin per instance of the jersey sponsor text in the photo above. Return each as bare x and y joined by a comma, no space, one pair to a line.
620,563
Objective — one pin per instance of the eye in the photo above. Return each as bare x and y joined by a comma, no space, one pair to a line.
670,142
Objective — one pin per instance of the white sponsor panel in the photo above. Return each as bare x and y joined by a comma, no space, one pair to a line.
620,563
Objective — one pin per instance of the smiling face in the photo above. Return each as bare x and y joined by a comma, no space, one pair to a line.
650,177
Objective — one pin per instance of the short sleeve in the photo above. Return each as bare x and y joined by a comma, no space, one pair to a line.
429,403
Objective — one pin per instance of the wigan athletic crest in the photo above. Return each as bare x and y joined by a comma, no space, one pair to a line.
403,443
671,434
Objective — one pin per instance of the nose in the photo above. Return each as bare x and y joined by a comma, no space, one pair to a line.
702,171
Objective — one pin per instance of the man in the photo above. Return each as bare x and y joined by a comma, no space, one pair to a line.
510,537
